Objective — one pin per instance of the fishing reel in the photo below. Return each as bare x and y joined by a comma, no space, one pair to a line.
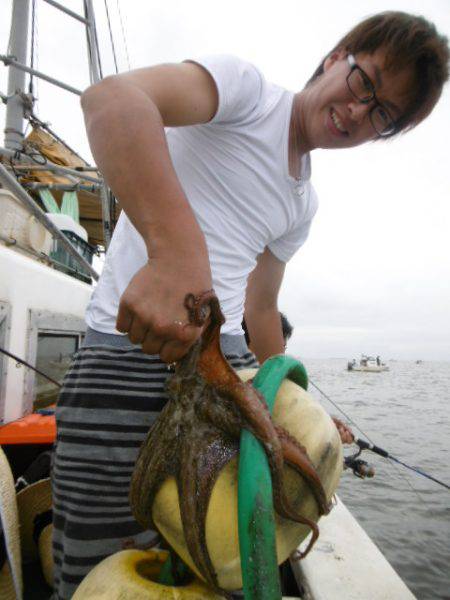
360,468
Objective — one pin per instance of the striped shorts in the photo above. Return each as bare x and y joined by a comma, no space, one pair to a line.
110,397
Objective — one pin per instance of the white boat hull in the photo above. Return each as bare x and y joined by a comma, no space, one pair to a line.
34,299
370,369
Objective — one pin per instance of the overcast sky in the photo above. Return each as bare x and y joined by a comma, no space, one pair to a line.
374,275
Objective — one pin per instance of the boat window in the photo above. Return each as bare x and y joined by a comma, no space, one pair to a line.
54,353
53,338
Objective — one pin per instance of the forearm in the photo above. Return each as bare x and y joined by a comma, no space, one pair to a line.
127,138
264,327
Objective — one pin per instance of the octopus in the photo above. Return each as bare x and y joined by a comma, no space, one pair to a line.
198,432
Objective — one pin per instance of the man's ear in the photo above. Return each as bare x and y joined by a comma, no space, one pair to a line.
334,57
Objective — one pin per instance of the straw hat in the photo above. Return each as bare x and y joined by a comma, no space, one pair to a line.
35,504
11,583
32,501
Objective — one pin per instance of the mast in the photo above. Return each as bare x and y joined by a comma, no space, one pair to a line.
94,58
96,75
16,77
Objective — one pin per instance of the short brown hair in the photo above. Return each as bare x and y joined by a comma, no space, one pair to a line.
409,41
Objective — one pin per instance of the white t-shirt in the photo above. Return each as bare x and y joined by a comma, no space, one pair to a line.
234,171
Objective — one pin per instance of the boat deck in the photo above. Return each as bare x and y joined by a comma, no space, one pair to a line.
345,564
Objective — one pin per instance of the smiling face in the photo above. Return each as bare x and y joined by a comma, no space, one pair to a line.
331,117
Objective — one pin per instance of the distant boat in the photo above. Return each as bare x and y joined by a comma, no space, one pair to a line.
367,364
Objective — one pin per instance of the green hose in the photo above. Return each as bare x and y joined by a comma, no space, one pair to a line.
256,522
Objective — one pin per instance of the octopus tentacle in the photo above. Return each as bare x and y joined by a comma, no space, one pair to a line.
257,419
199,308
192,512
284,509
226,419
196,479
297,457
153,464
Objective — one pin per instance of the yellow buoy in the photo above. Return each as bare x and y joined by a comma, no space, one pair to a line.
299,414
45,554
132,575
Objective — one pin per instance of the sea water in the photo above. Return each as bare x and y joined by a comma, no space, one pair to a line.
405,411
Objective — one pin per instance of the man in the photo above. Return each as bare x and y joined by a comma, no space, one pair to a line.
223,200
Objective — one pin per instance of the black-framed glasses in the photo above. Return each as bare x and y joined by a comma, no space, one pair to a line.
362,88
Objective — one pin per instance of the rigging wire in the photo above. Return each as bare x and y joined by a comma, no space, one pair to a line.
111,36
124,38
32,45
33,84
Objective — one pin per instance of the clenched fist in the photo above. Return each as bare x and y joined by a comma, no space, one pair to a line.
152,311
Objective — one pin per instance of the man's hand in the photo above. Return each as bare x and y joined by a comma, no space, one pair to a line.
344,431
152,309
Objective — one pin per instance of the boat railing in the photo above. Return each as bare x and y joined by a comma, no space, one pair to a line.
19,192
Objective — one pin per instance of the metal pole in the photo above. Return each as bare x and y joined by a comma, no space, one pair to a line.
9,61
16,77
67,11
32,167
9,182
64,187
49,166
106,220
90,30
95,77
10,242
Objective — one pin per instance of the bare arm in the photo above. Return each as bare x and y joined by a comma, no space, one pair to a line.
262,318
125,117
261,309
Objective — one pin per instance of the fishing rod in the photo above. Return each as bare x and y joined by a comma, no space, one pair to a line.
363,445
361,468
